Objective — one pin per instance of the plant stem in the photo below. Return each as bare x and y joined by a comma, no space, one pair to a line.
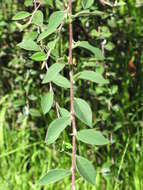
72,97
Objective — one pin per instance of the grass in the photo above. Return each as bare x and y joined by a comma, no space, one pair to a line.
24,158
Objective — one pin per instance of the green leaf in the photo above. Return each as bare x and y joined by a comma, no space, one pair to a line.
55,129
47,102
34,112
45,34
83,111
92,137
52,72
61,81
87,3
96,51
39,56
21,15
54,176
38,18
30,35
85,169
29,45
64,112
92,76
51,45
55,20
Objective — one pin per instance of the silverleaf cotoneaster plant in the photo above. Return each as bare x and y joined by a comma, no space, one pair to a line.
41,50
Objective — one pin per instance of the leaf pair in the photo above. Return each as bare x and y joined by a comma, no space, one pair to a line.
54,76
52,72
84,113
55,20
84,167
37,17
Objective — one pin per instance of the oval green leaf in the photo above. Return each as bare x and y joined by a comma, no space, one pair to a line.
55,19
38,18
54,176
47,102
96,51
93,77
32,35
29,45
83,111
61,81
92,137
21,15
85,169
39,56
52,72
55,129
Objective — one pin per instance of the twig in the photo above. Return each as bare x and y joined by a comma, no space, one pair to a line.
72,96
57,109
48,53
45,64
36,8
102,2
103,46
